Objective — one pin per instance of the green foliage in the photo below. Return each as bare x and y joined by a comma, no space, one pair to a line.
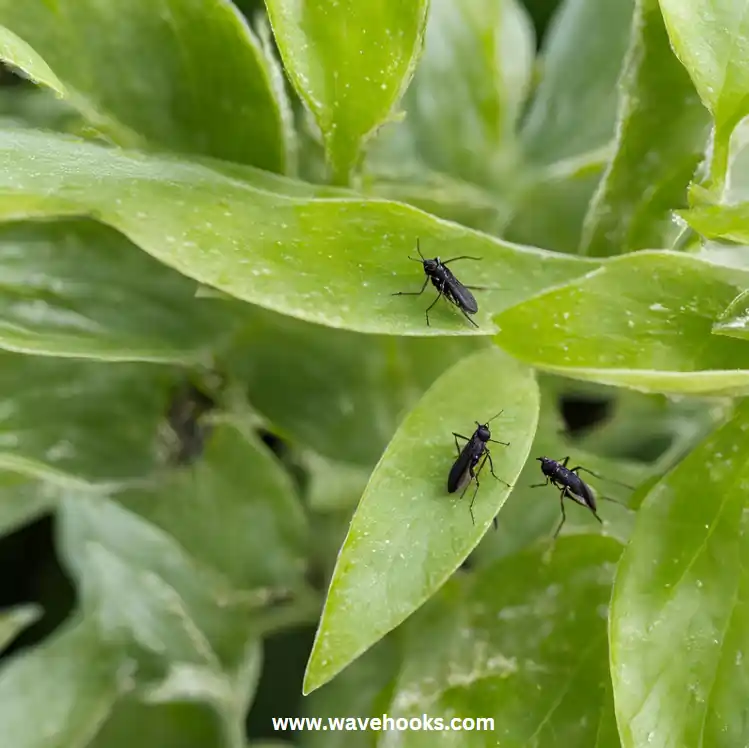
241,433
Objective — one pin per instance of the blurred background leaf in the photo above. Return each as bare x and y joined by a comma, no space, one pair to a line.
141,75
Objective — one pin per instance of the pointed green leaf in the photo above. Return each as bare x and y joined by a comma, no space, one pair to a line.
660,139
15,52
64,286
734,322
57,694
679,626
643,321
720,221
522,642
574,109
332,261
234,511
709,37
408,534
350,62
141,74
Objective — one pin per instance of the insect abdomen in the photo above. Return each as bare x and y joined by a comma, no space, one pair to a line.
460,473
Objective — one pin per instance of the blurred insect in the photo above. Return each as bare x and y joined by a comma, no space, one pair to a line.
464,471
571,485
446,284
188,431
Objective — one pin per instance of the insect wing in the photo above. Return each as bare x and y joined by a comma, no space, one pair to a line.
459,294
581,492
460,473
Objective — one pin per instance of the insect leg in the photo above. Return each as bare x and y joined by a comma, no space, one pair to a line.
476,490
541,485
439,296
564,516
504,444
600,477
564,462
491,469
457,446
467,316
412,293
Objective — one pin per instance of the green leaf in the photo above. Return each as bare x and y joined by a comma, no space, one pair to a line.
307,258
16,52
64,285
408,534
661,138
643,321
141,74
159,726
720,221
14,620
234,511
471,81
80,419
709,39
522,642
574,109
678,619
58,694
734,322
337,392
191,636
350,62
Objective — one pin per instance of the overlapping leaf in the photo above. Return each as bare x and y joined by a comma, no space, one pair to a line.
142,77
408,535
678,619
661,138
348,255
709,38
642,321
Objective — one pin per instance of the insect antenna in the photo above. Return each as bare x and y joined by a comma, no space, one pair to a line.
613,501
